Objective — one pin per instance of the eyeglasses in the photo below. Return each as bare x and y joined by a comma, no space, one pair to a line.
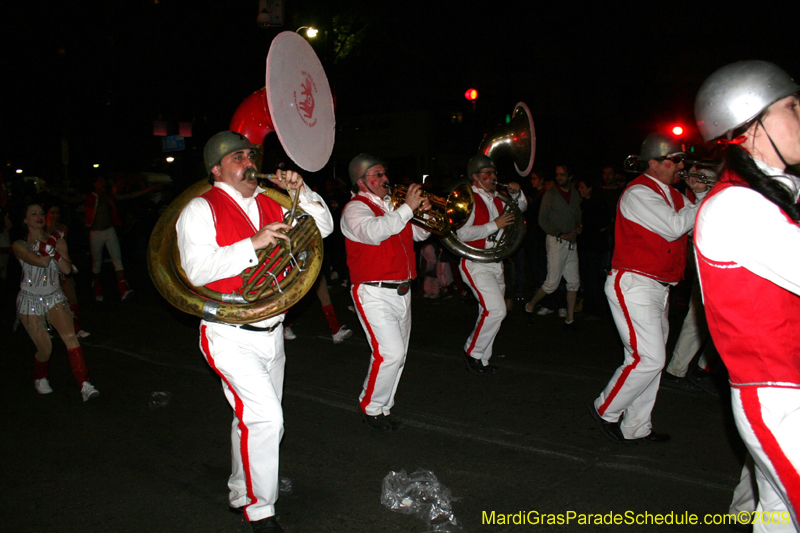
378,175
489,172
677,159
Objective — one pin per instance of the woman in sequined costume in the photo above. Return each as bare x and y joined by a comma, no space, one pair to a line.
41,301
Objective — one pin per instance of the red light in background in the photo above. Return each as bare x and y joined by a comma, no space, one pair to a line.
471,95
677,131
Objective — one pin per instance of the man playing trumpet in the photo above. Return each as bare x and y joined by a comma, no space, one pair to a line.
380,255
486,280
219,234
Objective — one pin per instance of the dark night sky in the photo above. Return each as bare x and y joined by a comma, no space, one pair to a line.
597,80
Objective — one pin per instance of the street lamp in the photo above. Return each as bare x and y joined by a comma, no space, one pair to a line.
311,32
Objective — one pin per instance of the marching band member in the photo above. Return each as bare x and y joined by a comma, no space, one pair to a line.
219,234
747,240
485,279
380,255
652,223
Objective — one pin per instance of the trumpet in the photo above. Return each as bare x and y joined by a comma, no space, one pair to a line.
699,176
445,215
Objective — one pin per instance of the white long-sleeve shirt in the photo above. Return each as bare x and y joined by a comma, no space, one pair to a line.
642,205
205,261
360,224
470,232
742,226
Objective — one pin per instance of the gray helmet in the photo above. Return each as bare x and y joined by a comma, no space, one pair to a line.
477,163
361,164
658,145
224,143
737,93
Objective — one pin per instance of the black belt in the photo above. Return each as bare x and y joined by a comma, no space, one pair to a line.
248,327
402,287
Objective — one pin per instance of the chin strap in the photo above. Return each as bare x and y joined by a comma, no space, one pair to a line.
773,144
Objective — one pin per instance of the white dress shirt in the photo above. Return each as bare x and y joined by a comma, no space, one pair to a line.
742,226
205,261
642,205
469,232
360,224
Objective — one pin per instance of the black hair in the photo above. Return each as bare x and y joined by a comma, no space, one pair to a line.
739,161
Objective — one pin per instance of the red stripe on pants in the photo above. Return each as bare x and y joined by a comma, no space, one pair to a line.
239,410
482,303
377,358
634,348
787,474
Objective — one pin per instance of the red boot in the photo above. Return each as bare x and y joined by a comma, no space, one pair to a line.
122,284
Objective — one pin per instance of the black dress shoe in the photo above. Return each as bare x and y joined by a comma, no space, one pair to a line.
266,525
652,438
476,366
674,382
395,422
610,430
378,423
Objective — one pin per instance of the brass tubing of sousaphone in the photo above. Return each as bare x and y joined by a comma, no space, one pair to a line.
258,284
163,262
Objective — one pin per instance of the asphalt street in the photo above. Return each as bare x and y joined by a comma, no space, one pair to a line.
520,441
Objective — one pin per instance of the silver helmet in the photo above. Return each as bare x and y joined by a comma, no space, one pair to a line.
477,163
222,144
736,94
361,164
658,145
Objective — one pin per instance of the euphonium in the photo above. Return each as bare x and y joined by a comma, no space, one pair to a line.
445,215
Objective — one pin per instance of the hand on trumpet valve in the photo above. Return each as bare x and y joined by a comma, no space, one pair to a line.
269,235
415,199
513,187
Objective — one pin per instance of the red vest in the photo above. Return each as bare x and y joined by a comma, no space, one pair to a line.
90,208
233,225
393,259
482,216
639,250
752,320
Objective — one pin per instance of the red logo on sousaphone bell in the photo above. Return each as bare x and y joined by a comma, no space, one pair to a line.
305,105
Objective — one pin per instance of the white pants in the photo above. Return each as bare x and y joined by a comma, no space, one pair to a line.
639,307
561,261
693,332
106,238
488,285
386,319
251,366
768,420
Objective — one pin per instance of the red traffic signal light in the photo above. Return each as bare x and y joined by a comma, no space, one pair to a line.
471,94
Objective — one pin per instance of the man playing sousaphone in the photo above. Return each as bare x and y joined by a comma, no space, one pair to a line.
486,279
219,234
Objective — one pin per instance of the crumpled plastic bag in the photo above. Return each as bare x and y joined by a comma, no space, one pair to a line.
422,495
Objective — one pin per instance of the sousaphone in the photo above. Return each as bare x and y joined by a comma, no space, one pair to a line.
516,140
296,104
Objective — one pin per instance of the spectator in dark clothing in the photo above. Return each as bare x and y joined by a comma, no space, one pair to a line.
593,246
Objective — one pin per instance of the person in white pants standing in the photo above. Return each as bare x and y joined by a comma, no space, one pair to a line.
379,240
486,280
218,236
651,228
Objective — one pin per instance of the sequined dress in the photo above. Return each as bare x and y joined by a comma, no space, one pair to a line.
40,289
